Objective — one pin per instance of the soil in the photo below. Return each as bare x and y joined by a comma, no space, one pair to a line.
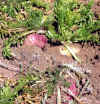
26,57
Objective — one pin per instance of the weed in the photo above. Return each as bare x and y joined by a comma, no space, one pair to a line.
69,20
17,18
31,87
52,81
8,94
75,22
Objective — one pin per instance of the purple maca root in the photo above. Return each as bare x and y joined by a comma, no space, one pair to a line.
36,40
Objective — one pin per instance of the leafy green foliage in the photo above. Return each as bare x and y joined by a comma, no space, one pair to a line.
40,3
75,22
51,83
29,84
68,21
34,18
17,18
8,94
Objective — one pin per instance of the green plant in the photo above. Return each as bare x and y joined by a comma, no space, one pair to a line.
29,84
75,22
68,21
40,3
8,94
19,17
51,83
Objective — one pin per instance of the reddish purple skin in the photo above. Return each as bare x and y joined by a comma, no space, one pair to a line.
36,40
73,88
